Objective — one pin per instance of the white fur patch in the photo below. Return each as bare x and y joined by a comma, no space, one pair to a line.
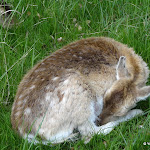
25,100
117,66
30,138
27,111
40,69
52,103
41,131
55,78
32,87
19,108
93,115
19,103
48,96
20,130
20,96
66,82
131,114
142,98
107,128
99,105
60,136
47,88
117,75
74,55
17,114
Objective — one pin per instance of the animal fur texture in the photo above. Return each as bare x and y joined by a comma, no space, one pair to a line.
88,86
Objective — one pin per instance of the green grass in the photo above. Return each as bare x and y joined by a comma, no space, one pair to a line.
39,25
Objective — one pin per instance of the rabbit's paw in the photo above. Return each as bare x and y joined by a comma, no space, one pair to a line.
107,128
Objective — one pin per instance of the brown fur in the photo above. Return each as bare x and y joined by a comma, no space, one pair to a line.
123,94
90,64
86,55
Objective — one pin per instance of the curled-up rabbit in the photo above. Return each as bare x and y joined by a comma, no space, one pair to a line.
69,90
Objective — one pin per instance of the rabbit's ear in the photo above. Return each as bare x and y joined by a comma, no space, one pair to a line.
121,70
143,93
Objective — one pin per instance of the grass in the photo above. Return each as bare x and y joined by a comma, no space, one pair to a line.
39,26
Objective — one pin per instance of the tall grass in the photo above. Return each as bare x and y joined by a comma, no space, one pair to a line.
39,25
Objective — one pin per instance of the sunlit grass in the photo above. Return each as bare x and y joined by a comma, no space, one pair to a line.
39,25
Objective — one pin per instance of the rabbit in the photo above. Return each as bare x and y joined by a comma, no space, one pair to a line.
65,94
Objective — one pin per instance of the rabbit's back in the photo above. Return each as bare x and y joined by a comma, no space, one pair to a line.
60,90
73,65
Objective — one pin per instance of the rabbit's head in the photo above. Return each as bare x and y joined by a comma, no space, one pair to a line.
123,95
